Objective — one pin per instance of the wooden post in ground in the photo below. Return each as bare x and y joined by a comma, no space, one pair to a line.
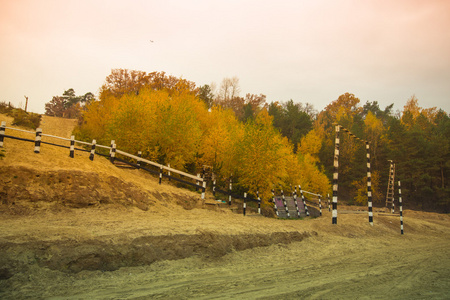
2,133
274,202
37,141
91,156
72,146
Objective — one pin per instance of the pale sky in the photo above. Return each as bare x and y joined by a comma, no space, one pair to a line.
307,51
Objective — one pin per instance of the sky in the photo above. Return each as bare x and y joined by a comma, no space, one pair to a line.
307,51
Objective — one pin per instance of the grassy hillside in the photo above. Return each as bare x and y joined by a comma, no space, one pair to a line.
53,180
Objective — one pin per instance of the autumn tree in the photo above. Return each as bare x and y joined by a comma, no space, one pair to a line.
68,105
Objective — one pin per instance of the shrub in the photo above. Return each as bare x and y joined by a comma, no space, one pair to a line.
22,118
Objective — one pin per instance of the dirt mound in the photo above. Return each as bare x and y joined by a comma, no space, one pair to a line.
24,190
72,257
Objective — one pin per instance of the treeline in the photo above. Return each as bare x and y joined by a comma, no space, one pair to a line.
273,145
170,121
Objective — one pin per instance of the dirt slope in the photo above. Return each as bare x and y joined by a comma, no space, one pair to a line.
163,243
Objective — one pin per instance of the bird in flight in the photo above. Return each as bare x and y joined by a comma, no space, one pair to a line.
151,41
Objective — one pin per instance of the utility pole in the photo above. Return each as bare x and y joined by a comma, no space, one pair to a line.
26,103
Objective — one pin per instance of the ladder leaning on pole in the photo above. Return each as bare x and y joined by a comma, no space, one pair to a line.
390,188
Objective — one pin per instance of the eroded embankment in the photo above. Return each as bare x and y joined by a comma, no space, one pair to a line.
71,256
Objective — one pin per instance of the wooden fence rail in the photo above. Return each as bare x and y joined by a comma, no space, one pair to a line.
38,135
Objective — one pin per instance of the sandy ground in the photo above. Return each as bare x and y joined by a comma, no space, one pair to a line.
204,252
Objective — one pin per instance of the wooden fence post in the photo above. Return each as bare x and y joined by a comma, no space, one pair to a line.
72,146
274,202
2,133
113,153
110,150
295,201
203,189
37,141
91,156
285,204
259,202
329,209
139,160
245,202
229,196
304,201
320,205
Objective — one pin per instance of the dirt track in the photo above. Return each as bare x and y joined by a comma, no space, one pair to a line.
350,260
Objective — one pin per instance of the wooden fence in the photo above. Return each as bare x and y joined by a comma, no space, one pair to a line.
200,183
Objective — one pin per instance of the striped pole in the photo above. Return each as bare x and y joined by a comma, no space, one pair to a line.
2,133
168,172
328,197
161,174
203,189
91,156
214,186
400,206
320,205
285,204
72,146
304,201
369,186
274,202
245,202
139,160
335,175
37,141
110,150
259,202
229,196
295,201
113,153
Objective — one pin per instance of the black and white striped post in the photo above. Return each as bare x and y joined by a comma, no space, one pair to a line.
229,195
274,202
295,201
335,175
2,133
203,188
304,201
139,160
285,204
110,150
320,205
168,171
214,186
113,153
259,201
72,146
91,156
369,185
245,203
37,141
161,174
328,198
400,206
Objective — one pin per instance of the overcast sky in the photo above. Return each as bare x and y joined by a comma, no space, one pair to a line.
308,51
